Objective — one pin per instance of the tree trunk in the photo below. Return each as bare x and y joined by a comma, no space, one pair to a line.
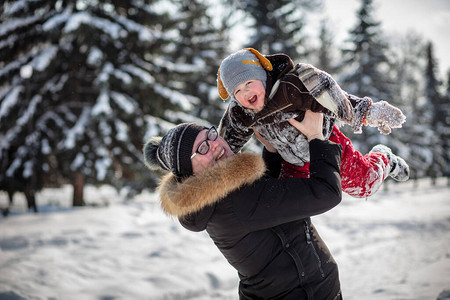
78,186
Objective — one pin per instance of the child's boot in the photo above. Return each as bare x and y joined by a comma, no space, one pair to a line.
399,168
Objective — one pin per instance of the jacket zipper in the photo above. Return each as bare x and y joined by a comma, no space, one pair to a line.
309,242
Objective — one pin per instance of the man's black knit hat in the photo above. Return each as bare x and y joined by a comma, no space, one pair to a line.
173,151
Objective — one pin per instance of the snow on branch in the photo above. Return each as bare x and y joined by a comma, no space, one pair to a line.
58,19
43,59
143,32
173,96
10,101
199,66
77,130
102,106
110,28
127,104
17,23
156,126
140,73
21,121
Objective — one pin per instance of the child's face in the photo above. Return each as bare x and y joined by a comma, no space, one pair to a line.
251,94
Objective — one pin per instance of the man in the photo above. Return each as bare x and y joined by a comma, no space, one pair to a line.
261,224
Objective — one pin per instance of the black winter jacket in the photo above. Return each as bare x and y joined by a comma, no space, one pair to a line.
261,224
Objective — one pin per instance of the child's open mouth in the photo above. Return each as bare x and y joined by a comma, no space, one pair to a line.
252,100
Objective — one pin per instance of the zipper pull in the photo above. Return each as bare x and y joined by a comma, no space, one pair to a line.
308,236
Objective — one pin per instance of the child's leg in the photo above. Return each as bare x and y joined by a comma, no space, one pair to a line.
289,170
361,175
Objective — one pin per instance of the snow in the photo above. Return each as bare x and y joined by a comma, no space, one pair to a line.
175,97
9,101
77,162
77,130
102,105
13,24
43,59
395,245
144,33
58,19
127,104
141,74
110,28
103,163
26,71
122,131
95,57
12,133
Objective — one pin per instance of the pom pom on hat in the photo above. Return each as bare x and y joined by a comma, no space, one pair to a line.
172,152
239,67
150,149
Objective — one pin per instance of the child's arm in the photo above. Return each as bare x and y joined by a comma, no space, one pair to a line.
379,114
350,109
325,90
233,130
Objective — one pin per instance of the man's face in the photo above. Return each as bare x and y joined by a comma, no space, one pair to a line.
208,149
251,94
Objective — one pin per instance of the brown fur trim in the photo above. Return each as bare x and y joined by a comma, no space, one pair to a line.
210,186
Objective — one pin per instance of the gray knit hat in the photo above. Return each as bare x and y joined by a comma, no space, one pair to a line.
172,152
239,67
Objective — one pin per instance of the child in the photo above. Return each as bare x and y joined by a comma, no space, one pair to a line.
291,90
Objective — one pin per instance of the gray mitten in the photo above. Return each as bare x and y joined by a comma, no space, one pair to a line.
384,116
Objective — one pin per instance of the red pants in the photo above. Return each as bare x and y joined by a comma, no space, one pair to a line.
361,175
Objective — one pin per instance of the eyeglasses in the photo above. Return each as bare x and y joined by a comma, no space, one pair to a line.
203,148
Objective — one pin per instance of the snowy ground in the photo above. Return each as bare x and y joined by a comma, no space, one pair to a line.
396,245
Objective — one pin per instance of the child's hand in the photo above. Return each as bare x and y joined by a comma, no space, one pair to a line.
266,144
384,116
311,126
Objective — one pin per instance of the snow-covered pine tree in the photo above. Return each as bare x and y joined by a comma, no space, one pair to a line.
82,84
278,25
366,68
446,136
25,137
326,52
200,48
436,109
408,62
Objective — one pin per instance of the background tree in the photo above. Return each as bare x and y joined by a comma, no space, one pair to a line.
92,80
366,68
436,114
412,141
200,48
326,54
445,108
278,26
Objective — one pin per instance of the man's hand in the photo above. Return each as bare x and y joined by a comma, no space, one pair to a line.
311,126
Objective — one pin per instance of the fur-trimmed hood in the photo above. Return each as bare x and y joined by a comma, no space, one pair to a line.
196,192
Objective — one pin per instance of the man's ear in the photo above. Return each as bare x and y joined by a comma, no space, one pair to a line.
264,61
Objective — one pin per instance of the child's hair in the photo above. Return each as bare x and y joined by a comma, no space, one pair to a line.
239,67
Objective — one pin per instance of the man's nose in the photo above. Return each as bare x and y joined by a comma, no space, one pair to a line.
213,145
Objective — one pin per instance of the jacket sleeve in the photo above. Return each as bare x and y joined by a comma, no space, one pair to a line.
325,90
270,202
273,163
233,130
360,108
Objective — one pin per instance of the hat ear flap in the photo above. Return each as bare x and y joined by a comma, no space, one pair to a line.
264,61
221,88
